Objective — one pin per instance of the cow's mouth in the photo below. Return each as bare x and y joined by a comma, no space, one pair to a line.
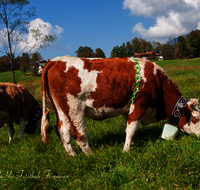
30,129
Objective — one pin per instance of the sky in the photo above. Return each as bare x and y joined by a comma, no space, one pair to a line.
107,23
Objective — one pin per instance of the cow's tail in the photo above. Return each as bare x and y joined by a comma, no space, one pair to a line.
45,89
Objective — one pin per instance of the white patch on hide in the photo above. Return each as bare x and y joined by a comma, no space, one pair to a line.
93,58
142,63
88,79
156,68
130,132
190,127
131,108
76,112
103,112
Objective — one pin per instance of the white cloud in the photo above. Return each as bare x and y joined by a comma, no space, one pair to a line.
198,27
45,28
27,42
173,17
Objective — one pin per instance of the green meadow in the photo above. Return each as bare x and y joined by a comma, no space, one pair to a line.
152,163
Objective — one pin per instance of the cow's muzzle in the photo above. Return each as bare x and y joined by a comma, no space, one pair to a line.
30,129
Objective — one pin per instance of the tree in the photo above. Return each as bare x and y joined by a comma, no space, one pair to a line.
193,43
148,46
183,47
136,45
85,52
156,46
4,64
117,51
99,53
167,51
24,63
177,53
129,50
16,24
36,57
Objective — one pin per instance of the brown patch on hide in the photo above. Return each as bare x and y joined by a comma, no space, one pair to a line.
94,64
62,81
185,116
114,83
195,120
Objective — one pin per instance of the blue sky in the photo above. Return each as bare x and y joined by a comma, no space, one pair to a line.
96,24
107,23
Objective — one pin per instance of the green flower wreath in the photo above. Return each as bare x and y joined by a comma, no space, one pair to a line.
137,83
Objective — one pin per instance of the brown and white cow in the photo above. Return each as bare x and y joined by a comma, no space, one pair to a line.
19,106
102,88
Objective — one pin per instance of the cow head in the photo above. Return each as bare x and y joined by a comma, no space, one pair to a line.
34,124
190,115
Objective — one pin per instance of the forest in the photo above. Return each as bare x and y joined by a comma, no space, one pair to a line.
182,47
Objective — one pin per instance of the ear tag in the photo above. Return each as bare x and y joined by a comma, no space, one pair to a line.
169,132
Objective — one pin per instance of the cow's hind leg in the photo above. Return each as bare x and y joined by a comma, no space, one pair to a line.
64,130
78,127
82,140
78,132
11,131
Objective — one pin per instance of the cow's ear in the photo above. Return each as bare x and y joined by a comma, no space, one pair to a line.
184,111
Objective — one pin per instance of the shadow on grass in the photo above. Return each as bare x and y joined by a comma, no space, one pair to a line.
144,135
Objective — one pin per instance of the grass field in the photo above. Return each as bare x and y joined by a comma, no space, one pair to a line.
152,162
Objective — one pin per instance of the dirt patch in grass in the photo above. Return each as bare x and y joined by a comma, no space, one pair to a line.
183,67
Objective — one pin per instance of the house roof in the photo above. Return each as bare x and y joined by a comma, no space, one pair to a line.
146,54
40,62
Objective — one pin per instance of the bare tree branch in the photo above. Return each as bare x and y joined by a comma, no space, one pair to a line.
16,26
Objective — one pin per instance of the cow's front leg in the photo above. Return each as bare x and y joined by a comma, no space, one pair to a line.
131,129
22,125
135,114
11,131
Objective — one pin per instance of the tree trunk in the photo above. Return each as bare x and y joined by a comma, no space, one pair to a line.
13,73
